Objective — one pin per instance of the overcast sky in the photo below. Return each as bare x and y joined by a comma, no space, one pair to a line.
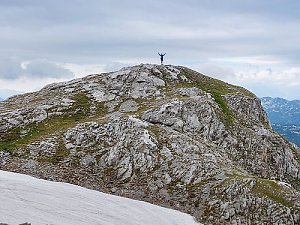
252,43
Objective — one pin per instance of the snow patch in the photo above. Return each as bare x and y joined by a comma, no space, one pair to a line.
27,199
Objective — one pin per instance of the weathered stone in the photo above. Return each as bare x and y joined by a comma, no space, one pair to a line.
129,106
161,134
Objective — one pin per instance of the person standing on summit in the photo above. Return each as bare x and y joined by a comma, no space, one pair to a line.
161,58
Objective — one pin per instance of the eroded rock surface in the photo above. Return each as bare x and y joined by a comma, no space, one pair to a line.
163,134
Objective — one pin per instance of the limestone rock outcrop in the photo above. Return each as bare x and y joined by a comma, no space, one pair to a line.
163,134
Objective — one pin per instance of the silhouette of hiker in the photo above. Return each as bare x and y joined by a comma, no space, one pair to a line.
161,58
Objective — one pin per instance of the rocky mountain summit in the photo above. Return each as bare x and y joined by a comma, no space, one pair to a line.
163,134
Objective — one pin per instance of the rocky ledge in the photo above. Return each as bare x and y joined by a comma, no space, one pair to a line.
163,134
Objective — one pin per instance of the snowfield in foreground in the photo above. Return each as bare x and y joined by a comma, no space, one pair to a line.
27,199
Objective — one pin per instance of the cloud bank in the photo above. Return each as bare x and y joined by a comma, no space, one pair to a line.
13,68
59,38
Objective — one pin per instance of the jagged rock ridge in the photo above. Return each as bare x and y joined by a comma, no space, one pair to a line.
163,134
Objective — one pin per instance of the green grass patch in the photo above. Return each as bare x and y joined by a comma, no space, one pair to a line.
14,139
212,84
191,188
262,188
217,89
271,190
109,172
8,139
81,107
227,115
155,130
60,154
77,113
101,109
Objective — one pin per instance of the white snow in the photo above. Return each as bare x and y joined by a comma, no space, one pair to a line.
40,202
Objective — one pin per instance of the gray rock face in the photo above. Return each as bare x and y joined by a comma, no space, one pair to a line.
129,106
248,110
163,134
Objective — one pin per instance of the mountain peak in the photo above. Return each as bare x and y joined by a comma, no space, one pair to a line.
159,133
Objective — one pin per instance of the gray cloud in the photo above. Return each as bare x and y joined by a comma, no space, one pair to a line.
263,82
81,32
10,68
115,66
192,32
43,68
216,71
14,68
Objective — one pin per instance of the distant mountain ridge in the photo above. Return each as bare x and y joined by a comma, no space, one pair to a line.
282,111
1,99
284,116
